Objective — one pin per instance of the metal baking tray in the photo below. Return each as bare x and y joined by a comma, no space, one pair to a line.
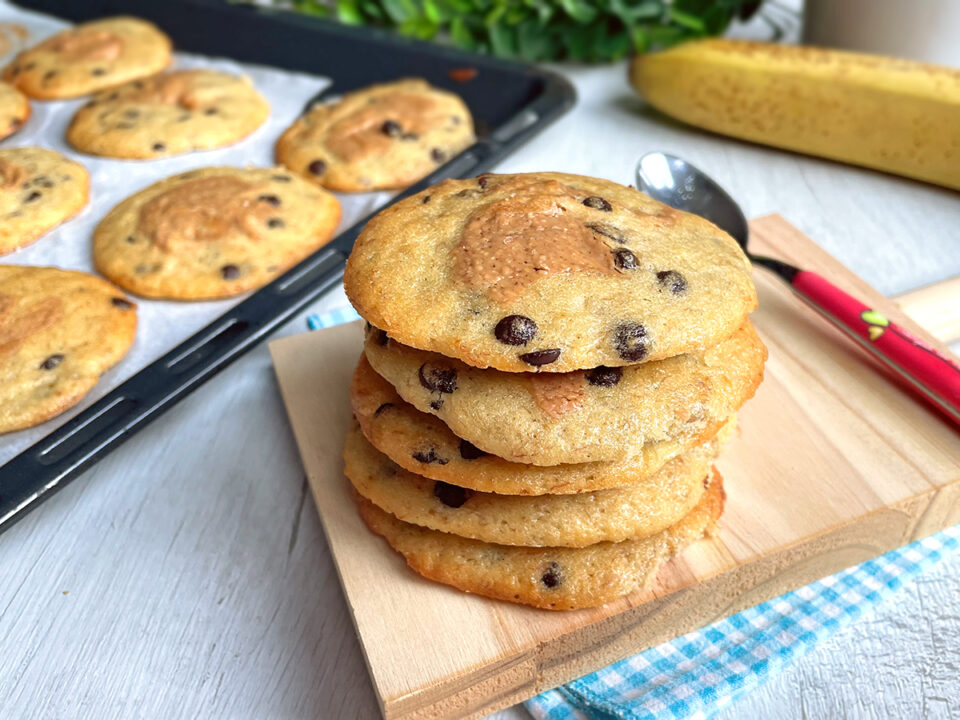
510,103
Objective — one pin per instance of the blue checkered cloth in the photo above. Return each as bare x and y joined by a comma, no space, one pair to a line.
698,674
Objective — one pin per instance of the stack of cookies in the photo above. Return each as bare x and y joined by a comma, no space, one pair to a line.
552,363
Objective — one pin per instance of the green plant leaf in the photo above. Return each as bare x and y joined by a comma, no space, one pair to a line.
580,10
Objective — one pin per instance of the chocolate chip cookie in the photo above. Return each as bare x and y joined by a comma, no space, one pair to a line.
572,520
39,189
553,578
603,414
90,57
382,137
59,331
14,109
213,232
424,445
168,114
548,271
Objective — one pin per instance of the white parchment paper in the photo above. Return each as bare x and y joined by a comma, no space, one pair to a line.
162,325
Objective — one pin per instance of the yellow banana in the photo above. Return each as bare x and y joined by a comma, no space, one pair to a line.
899,116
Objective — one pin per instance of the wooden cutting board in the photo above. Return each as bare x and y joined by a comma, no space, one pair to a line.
835,464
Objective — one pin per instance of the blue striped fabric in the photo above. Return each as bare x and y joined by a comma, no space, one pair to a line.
696,675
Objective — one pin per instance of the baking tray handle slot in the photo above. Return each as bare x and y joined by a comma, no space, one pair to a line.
216,340
93,428
309,272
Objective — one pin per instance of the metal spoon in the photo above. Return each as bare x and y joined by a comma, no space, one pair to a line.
935,376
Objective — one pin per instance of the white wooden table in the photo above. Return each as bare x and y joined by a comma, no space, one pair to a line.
187,576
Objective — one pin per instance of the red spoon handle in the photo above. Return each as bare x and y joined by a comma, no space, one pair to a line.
931,372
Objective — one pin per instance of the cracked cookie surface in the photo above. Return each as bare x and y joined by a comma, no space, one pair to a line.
90,57
382,137
14,109
39,189
168,114
59,331
548,272
213,232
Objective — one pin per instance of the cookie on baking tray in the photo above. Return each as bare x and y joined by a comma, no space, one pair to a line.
39,189
554,578
168,114
422,444
604,414
14,109
90,57
59,331
572,520
382,137
547,271
213,232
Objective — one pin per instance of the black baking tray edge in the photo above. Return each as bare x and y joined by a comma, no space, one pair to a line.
510,103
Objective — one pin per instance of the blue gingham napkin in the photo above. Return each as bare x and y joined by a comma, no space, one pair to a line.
696,675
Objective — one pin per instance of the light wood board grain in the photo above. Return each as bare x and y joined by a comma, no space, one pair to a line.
835,464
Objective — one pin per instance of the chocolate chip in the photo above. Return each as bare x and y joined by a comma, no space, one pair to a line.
131,239
121,303
43,181
438,379
50,74
597,203
35,195
673,281
98,72
483,181
438,155
604,376
391,128
515,330
552,576
230,272
437,404
450,495
281,178
623,259
159,147
275,222
469,451
410,136
631,342
608,231
210,111
429,456
382,408
317,167
112,96
51,362
426,199
270,200
541,357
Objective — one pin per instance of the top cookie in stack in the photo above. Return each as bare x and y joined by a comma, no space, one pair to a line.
548,271
552,363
